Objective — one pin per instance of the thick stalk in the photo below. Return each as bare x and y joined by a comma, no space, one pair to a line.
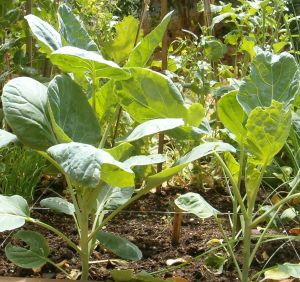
246,249
84,244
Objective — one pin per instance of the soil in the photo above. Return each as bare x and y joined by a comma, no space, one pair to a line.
148,224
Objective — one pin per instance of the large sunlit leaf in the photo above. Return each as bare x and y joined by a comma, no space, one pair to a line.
232,115
75,60
118,197
121,152
48,38
33,257
87,166
73,30
150,95
123,43
25,108
7,138
197,153
144,50
153,126
119,246
195,204
72,112
272,77
13,212
267,131
59,205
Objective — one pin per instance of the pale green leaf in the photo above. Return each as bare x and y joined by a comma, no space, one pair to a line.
119,246
150,95
151,127
141,54
232,115
195,204
72,111
35,256
283,271
87,166
121,152
272,77
123,43
145,160
48,38
267,131
75,60
25,108
73,30
58,204
13,212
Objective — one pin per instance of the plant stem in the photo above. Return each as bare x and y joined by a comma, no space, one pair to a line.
84,244
246,249
28,7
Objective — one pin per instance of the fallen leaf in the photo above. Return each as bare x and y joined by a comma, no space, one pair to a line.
179,279
294,231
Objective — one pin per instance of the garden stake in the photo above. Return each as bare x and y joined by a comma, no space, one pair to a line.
177,226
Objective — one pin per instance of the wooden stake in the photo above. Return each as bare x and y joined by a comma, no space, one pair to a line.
177,226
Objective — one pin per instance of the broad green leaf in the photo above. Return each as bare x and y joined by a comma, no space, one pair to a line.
13,212
232,115
121,152
151,127
248,45
75,60
252,174
272,77
197,153
214,49
72,112
123,43
87,166
25,108
73,30
232,165
195,114
150,95
118,197
145,160
195,204
141,54
217,262
283,271
119,246
48,38
267,131
58,204
122,275
35,256
106,101
7,138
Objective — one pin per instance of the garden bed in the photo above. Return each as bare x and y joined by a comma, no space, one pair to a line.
148,224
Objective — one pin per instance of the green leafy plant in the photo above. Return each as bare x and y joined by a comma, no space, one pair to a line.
64,123
259,117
